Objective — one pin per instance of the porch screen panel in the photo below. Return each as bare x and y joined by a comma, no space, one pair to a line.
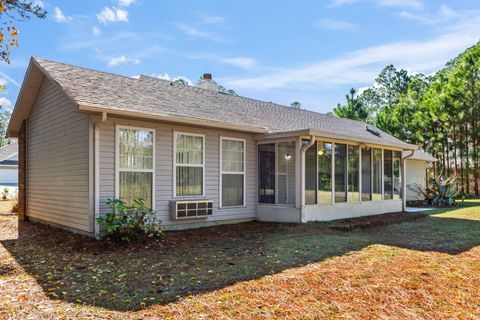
189,164
353,190
135,165
324,153
366,174
286,172
388,174
233,172
397,175
266,173
340,173
310,175
377,174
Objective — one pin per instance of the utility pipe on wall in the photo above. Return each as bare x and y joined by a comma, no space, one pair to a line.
404,179
302,174
97,125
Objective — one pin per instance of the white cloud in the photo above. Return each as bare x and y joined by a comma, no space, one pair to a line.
10,79
59,16
5,103
125,3
446,11
96,31
443,14
361,66
3,82
335,25
38,3
413,4
112,15
211,19
240,62
193,32
115,61
166,76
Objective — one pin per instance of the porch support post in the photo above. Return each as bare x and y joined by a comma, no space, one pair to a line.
298,173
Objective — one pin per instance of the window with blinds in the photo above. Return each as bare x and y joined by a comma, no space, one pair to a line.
232,172
189,164
135,164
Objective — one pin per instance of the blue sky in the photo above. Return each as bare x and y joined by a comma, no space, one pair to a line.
280,51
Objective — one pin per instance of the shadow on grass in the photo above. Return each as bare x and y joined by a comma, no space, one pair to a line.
81,270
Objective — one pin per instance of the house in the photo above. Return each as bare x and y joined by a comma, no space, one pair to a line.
417,168
9,168
198,157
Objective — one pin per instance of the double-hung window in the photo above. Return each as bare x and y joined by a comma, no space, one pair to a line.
135,164
232,172
189,164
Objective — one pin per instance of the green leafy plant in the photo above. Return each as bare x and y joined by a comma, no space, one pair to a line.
5,193
126,222
442,192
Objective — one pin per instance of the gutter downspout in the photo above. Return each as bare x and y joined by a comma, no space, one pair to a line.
404,179
97,125
304,148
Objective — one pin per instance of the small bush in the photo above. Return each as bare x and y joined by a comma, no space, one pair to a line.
5,193
442,192
15,206
127,222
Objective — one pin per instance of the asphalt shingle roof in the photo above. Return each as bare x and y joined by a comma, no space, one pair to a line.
8,151
153,96
422,155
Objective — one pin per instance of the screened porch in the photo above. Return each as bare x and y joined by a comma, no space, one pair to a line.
327,174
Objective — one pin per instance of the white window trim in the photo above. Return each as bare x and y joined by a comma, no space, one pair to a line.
117,160
222,138
175,133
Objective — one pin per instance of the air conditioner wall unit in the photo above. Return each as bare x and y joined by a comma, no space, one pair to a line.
190,209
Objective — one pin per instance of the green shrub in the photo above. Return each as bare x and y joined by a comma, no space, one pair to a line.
442,191
127,222
5,193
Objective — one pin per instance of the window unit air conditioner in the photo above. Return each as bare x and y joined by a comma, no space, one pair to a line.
190,209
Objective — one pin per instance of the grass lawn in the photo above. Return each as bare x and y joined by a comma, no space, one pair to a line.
424,269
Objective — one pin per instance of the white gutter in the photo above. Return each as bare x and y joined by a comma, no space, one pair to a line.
97,125
302,174
404,179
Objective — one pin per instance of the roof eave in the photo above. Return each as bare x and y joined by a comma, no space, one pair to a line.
172,118
336,136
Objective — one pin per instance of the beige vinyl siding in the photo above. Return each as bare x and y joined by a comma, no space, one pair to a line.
164,170
416,174
58,160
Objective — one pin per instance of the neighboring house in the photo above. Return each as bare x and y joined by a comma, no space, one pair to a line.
417,167
9,165
197,156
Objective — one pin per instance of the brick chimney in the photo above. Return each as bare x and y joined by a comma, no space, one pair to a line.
206,82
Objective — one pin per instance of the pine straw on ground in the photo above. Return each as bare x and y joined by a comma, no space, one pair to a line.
424,269
6,207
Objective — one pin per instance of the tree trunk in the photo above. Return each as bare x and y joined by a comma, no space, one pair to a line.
467,157
455,156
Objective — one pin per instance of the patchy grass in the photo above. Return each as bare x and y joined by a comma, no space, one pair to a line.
427,268
6,207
